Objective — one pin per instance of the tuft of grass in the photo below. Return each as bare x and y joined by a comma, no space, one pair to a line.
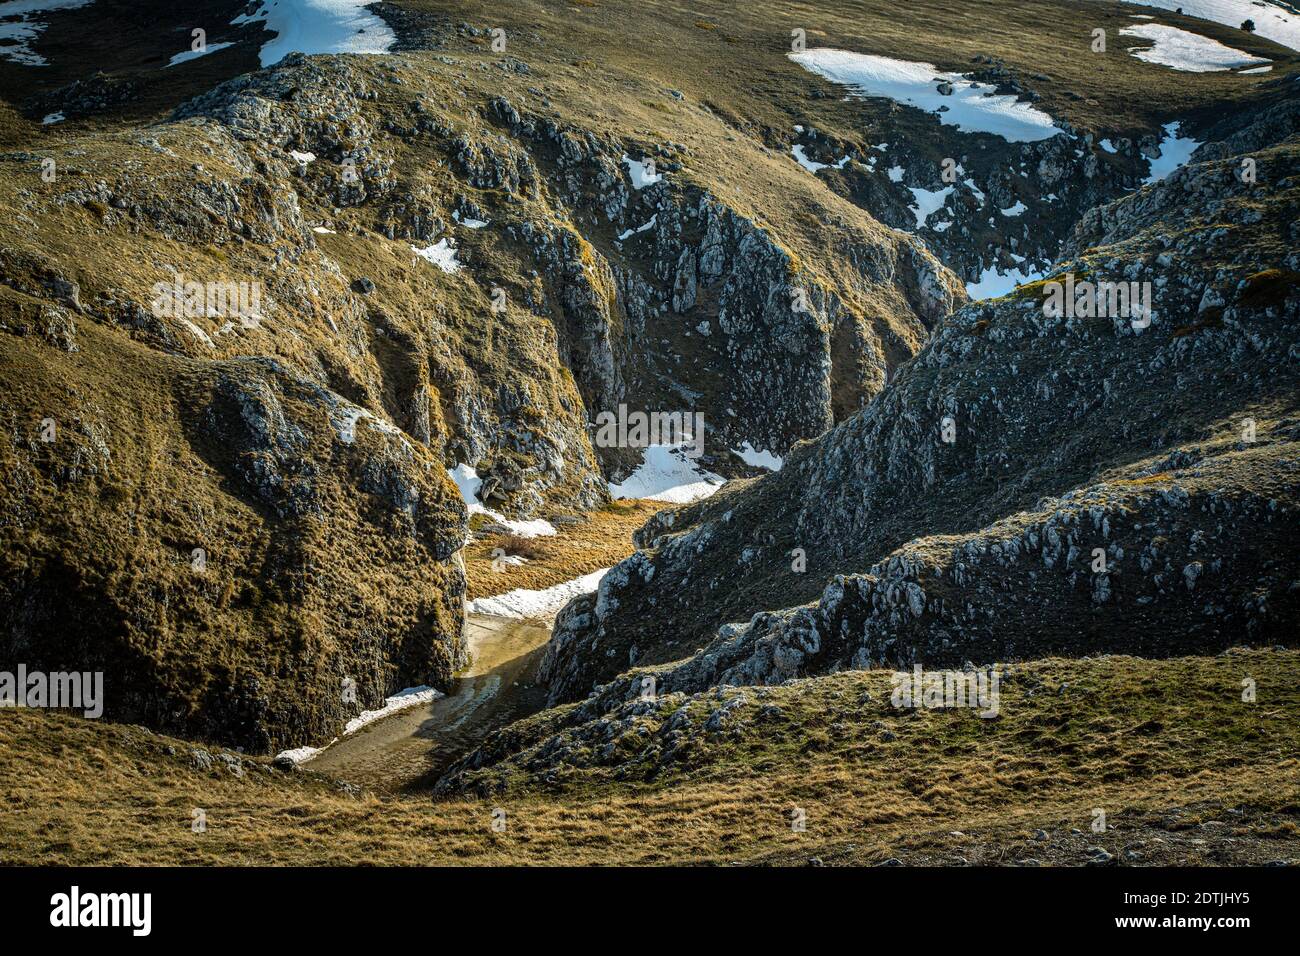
600,539
514,544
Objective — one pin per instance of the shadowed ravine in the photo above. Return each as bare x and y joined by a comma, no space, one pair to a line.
411,748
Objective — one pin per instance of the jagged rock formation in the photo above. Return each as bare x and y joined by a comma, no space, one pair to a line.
1064,433
1190,567
677,274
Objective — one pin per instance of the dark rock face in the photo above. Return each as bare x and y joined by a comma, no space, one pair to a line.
1156,566
675,285
989,470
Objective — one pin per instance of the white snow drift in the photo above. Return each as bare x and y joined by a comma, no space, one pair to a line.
1272,20
319,26
441,253
468,481
642,172
668,474
926,202
812,165
1188,52
410,697
195,54
993,283
546,603
758,459
1175,151
25,29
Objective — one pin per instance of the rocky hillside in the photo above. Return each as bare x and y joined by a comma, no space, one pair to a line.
1030,484
311,312
464,240
445,262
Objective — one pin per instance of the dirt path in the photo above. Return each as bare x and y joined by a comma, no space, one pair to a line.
412,747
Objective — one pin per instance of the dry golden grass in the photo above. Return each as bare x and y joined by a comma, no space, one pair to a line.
1128,735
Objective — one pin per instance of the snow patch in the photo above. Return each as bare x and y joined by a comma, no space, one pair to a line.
1272,20
917,84
469,483
545,603
757,459
928,201
299,754
469,222
403,699
809,164
993,283
344,416
319,26
442,254
632,232
195,54
1175,151
1188,52
410,697
640,171
23,30
667,474
52,118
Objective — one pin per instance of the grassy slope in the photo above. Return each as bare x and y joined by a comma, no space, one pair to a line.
600,539
375,353
712,50
612,64
732,57
100,526
1139,739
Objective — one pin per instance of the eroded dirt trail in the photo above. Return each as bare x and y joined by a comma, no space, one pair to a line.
412,747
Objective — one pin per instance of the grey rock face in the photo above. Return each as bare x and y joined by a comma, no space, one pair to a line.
673,260
1008,435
